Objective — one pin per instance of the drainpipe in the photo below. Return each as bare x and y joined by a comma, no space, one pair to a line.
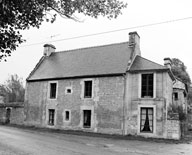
124,103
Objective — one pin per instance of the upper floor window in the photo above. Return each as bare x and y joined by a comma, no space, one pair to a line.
88,89
147,85
53,90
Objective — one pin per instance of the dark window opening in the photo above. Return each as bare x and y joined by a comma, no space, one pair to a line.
86,118
53,89
68,91
146,123
147,85
175,96
88,89
51,116
67,115
8,115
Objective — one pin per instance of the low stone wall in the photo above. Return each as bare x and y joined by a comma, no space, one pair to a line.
173,129
16,114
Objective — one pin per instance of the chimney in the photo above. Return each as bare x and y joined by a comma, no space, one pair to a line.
48,49
134,43
167,62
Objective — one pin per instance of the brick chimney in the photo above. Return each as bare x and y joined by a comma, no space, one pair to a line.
134,44
48,49
167,62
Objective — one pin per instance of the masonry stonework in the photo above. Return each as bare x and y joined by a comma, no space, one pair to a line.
106,104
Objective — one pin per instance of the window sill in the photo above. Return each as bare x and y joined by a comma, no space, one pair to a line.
86,98
147,134
53,99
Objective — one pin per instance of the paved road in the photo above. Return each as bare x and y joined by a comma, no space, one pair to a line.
16,141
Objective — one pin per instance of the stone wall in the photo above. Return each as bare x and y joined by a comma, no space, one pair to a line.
173,129
106,104
16,114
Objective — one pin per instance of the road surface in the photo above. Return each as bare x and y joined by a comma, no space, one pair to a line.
17,141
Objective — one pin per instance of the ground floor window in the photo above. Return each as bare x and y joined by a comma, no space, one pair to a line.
146,122
67,116
51,116
86,118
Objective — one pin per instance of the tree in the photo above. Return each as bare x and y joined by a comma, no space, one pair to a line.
13,89
180,71
16,15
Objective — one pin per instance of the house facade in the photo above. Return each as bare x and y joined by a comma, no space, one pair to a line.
106,89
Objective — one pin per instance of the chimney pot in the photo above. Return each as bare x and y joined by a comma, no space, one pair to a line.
48,49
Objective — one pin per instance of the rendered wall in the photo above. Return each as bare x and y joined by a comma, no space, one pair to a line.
163,92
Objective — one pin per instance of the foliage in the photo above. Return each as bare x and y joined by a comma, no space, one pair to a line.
179,110
16,15
180,71
13,89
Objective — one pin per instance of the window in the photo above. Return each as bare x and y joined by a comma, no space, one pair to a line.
147,85
67,116
88,89
146,122
51,116
68,90
86,118
53,90
175,96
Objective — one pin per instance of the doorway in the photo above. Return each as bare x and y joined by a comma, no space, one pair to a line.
8,115
87,118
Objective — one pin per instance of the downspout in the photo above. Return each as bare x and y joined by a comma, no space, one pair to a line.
124,103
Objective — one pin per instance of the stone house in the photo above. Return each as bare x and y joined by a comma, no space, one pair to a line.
180,91
106,89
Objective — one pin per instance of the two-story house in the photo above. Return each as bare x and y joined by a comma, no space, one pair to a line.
105,89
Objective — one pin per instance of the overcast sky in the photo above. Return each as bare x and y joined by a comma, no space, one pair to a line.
171,39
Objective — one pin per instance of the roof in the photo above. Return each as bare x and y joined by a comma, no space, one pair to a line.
142,64
179,84
104,60
101,60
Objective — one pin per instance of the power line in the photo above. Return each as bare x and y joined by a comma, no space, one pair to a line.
112,31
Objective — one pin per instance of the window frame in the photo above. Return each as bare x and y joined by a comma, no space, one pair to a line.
56,90
83,89
139,120
64,119
66,90
92,125
87,111
52,120
140,85
142,118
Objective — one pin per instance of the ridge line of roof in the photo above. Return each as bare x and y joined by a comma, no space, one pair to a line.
83,48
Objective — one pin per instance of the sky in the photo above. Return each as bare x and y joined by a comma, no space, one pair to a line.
170,39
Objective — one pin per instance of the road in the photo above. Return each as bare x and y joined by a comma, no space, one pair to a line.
17,141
